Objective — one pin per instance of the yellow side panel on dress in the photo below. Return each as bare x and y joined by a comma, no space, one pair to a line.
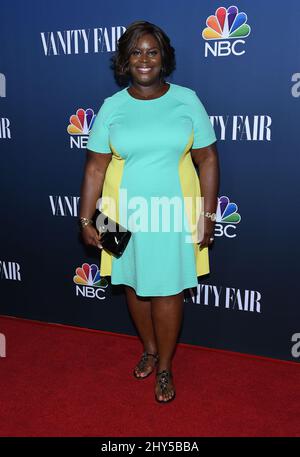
191,188
110,207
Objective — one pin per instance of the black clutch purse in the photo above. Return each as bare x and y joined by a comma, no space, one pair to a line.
114,237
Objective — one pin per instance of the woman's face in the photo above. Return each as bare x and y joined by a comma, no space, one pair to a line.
145,61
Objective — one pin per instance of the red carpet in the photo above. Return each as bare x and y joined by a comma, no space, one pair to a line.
64,381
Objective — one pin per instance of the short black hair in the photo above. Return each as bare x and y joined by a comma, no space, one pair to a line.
127,43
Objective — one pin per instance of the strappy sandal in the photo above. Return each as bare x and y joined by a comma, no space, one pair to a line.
142,364
163,378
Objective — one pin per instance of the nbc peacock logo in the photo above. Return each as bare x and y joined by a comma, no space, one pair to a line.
225,32
227,217
89,283
80,126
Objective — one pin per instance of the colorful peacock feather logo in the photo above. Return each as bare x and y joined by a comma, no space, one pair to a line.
89,275
226,24
81,122
227,211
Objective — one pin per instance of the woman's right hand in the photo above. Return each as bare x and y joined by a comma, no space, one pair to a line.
91,236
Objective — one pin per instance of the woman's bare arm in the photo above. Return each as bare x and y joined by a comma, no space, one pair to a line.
92,183
207,161
91,189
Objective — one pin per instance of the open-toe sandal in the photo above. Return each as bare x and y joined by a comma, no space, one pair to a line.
163,378
142,364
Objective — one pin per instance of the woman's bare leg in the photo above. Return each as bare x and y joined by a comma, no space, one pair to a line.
140,310
167,315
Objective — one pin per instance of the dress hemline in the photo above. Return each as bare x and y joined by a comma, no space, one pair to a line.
165,294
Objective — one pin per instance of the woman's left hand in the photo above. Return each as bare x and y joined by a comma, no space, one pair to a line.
207,237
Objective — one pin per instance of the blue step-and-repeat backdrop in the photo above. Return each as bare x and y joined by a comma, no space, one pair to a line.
242,59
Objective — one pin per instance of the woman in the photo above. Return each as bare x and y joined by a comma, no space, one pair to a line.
144,141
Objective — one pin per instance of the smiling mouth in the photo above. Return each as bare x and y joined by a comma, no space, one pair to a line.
143,69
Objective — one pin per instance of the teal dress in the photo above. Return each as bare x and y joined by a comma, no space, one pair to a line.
152,188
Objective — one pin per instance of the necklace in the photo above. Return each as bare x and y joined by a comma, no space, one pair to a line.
147,96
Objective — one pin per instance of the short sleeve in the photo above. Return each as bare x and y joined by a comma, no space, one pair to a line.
99,135
204,134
